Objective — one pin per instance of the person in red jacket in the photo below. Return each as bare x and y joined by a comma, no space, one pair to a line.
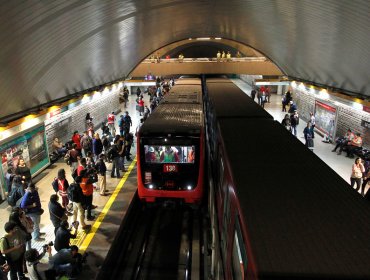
76,138
141,106
87,187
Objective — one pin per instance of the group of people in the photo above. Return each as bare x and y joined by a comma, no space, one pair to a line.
223,56
350,142
23,228
263,95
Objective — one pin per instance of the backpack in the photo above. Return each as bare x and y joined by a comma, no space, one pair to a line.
55,185
112,152
13,197
77,178
73,192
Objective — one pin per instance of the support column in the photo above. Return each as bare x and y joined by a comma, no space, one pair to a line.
279,90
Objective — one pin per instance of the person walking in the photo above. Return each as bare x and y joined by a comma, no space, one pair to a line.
32,206
357,172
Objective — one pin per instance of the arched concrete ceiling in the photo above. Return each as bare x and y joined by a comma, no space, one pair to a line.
49,49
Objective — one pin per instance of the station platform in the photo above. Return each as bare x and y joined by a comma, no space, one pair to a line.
112,208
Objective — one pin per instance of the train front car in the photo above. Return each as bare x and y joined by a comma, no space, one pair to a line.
171,153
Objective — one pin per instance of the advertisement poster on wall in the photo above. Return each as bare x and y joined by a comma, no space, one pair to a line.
31,146
325,116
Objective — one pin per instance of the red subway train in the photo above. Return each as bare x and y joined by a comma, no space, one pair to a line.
170,147
277,211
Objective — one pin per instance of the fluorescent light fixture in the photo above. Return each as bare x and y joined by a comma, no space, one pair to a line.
301,86
190,39
293,84
218,38
203,38
357,106
324,94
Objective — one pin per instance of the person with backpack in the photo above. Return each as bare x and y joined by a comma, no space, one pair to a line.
15,216
32,206
87,187
16,192
76,138
101,169
76,196
121,125
60,186
13,246
113,155
128,122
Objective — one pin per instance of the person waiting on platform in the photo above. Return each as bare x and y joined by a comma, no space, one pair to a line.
308,136
294,120
38,270
23,171
343,141
292,107
357,171
218,56
63,235
355,144
286,122
59,147
68,262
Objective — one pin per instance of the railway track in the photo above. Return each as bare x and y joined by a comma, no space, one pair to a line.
156,243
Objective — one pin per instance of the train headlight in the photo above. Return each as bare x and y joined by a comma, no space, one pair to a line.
151,186
189,187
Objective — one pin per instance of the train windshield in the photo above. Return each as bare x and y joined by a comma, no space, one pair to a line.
169,154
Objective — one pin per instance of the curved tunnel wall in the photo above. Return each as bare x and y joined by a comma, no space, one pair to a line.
50,49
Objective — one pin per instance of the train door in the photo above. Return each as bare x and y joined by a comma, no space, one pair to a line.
239,260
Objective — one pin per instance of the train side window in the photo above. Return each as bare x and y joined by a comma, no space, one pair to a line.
239,257
226,221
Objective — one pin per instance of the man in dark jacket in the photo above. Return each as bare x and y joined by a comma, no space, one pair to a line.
64,235
76,196
101,168
113,154
57,212
32,206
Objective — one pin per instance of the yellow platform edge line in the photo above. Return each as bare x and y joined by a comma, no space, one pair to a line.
90,235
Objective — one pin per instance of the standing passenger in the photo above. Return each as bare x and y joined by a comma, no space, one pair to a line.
111,120
294,120
308,136
357,171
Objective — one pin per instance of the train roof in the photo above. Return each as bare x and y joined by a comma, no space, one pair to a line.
188,81
229,101
174,118
184,94
303,219
219,80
